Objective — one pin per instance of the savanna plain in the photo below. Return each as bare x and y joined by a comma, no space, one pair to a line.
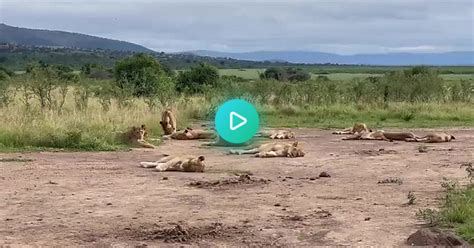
68,179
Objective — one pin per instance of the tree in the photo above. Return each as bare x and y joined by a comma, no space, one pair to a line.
139,73
197,78
285,74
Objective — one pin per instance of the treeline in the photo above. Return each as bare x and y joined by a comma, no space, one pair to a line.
142,76
17,58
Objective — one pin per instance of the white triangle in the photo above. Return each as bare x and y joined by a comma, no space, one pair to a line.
231,117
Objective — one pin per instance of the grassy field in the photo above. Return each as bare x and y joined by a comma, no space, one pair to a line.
396,115
87,114
254,74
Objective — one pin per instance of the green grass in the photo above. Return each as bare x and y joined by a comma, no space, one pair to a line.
346,76
343,76
402,115
458,212
243,73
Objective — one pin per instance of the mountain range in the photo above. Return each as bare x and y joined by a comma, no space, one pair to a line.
47,38
37,37
439,59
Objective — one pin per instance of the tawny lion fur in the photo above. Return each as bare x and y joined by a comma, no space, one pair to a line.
289,150
433,138
183,164
136,136
168,122
357,128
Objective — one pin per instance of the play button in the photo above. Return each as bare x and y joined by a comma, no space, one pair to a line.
238,117
236,121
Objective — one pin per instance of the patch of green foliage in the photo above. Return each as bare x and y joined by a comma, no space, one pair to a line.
457,210
198,78
291,74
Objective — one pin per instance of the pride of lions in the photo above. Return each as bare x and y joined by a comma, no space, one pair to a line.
137,136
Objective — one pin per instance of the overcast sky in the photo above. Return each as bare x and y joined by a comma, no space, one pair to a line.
340,26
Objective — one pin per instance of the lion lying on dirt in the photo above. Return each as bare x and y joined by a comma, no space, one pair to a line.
191,134
184,164
270,150
433,138
278,134
168,122
357,128
136,136
369,135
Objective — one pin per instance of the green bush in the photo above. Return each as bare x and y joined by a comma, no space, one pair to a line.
197,78
285,74
140,74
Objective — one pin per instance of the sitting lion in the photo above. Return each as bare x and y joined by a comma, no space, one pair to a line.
184,164
289,150
168,122
433,138
357,128
370,135
278,134
136,136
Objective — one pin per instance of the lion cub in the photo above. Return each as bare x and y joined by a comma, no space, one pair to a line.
136,136
184,164
289,150
357,128
168,122
433,138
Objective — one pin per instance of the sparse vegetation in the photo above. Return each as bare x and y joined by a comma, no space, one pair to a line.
18,159
457,210
469,170
411,198
394,180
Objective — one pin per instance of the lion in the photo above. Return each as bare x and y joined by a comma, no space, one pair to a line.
200,133
171,163
289,150
191,134
168,122
357,128
136,136
278,134
433,138
370,135
399,136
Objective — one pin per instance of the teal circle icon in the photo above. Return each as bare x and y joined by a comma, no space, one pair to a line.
237,121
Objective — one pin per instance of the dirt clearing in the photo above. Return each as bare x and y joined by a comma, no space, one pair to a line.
106,199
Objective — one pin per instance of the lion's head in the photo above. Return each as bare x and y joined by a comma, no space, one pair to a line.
294,151
137,133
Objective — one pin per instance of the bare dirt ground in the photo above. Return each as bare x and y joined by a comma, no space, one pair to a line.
106,199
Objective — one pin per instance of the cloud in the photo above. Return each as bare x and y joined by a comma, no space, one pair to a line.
357,26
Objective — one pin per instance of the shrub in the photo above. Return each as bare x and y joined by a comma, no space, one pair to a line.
195,79
140,74
285,74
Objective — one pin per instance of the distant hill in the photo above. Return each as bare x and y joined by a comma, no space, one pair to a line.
36,37
400,59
